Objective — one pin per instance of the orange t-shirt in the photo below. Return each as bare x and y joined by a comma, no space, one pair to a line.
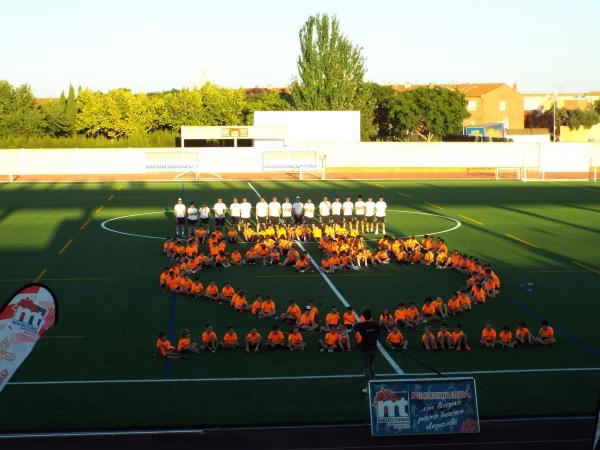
548,332
238,302
488,335
164,346
349,318
395,337
230,338
332,319
208,337
236,257
400,314
506,336
212,289
275,337
453,304
412,312
268,306
456,335
331,338
294,310
522,332
295,338
228,291
306,319
428,309
253,338
183,342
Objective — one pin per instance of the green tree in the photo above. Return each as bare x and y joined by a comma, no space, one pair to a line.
71,109
55,122
426,113
585,118
545,119
20,115
331,72
383,96
265,101
222,106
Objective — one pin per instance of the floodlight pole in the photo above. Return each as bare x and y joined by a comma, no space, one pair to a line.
554,120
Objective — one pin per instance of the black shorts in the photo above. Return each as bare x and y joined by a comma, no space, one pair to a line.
274,220
309,220
260,219
348,219
286,220
360,218
234,220
297,219
326,219
180,220
336,218
380,219
370,219
192,221
245,219
252,345
204,221
220,221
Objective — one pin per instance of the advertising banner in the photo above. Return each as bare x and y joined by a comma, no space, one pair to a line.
423,406
26,316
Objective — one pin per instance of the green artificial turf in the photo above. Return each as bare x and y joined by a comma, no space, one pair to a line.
111,307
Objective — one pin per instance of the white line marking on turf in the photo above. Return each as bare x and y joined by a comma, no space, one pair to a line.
104,226
458,222
341,298
298,377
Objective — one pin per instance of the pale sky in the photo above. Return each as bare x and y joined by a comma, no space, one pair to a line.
542,45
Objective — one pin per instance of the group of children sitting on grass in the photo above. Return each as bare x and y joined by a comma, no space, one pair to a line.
341,252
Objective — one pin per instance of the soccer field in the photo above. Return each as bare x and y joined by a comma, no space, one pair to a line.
96,368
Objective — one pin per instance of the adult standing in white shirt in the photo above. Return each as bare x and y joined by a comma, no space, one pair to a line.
309,212
274,212
359,213
286,212
298,211
220,209
235,212
325,211
245,211
370,214
380,208
262,210
192,218
347,209
179,210
336,213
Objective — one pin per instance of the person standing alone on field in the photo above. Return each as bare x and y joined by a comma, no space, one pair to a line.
369,331
179,210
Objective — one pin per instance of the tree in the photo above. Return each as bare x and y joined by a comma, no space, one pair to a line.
71,109
20,115
585,118
545,119
331,70
383,96
426,113
55,122
222,106
265,101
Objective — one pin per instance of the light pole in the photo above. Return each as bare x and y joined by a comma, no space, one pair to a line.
554,120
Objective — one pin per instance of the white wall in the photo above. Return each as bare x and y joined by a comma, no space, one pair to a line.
559,157
306,127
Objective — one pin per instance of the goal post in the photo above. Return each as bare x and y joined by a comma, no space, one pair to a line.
305,163
510,173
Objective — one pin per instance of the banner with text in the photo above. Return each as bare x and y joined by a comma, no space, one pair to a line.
423,406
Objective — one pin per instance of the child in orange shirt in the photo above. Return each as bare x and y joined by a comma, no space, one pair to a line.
329,342
546,334
444,338
295,340
230,339
165,348
275,339
523,335
459,339
428,340
506,338
488,336
253,339
210,341
396,340
185,344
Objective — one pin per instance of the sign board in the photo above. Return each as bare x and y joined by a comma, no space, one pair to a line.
27,315
423,406
171,161
490,130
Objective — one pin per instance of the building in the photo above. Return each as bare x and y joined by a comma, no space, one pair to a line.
569,101
488,103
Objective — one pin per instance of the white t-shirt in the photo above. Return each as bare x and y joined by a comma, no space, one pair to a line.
180,210
324,208
336,208
347,207
380,208
204,212
370,208
235,209
286,209
245,209
359,208
309,210
298,206
274,209
261,209
220,209
192,213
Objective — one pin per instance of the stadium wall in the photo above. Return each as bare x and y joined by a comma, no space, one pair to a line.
559,157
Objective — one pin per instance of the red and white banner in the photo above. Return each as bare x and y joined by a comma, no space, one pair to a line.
27,315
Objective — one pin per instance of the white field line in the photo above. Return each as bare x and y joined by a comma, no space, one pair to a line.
341,298
299,377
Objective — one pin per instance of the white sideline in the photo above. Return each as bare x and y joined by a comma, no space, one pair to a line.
300,377
341,298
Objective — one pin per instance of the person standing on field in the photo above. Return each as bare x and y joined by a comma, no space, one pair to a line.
369,331
298,211
380,208
179,210
192,218
220,209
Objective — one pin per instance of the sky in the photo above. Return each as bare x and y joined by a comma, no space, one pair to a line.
151,45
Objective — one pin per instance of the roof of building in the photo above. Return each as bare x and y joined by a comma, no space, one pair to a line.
469,89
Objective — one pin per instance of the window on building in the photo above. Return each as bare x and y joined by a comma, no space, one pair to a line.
472,105
502,105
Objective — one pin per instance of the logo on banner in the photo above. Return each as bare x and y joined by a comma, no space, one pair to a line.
29,316
392,408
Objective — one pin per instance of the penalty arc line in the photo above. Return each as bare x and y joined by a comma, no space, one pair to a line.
341,298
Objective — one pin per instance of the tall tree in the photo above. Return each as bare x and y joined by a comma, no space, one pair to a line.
331,72
71,109
20,115
585,118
